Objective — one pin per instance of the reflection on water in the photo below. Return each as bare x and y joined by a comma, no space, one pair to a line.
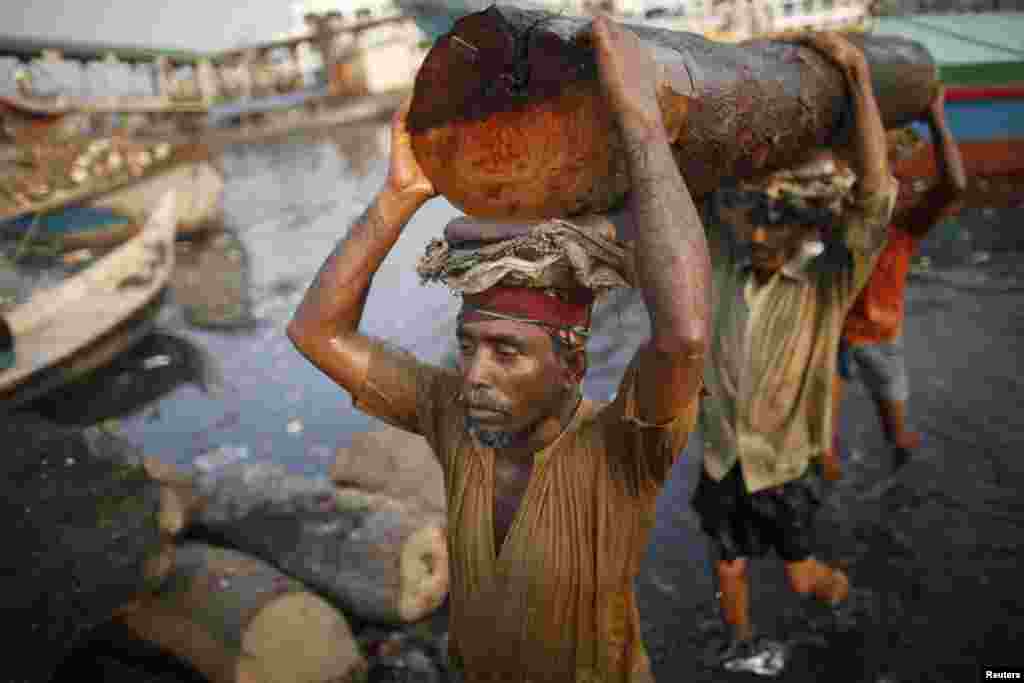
135,382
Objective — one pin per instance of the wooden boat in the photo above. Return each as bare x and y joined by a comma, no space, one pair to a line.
87,319
41,177
988,123
59,105
118,215
980,61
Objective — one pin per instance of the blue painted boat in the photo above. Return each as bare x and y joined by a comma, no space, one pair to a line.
114,217
73,226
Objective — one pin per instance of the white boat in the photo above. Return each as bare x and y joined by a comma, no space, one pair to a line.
85,320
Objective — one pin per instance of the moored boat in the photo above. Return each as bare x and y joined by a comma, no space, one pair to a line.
81,323
59,105
91,217
981,62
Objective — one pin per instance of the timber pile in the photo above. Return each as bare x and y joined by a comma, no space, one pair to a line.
508,120
88,533
286,578
239,620
380,559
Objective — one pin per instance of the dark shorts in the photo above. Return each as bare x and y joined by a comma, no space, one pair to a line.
743,524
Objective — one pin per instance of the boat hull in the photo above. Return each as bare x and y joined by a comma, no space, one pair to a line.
120,214
57,324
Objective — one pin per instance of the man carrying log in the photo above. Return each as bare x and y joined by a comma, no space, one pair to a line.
873,336
779,312
550,497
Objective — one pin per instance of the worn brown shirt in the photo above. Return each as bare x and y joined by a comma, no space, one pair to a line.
773,349
556,601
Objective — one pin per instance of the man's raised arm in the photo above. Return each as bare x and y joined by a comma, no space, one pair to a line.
672,263
866,224
325,326
943,197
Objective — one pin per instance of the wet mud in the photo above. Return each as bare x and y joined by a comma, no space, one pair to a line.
933,548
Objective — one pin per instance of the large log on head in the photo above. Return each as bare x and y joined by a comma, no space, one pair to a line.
509,122
381,560
239,620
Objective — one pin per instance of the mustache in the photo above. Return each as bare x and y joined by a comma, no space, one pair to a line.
483,400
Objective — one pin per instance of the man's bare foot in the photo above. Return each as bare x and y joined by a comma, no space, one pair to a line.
908,441
903,448
831,469
832,461
840,588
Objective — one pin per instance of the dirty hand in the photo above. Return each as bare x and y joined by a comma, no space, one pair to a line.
405,175
837,48
628,74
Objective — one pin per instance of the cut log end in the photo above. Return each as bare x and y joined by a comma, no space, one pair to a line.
521,118
238,620
556,157
424,573
299,637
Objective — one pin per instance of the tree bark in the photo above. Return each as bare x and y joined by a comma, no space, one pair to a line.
509,122
239,620
378,558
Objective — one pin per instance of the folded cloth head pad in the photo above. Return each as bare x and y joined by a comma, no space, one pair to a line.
546,273
822,183
555,254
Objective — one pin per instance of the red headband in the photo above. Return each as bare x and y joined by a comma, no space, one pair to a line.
532,305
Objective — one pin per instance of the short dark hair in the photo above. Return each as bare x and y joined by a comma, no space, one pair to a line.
767,210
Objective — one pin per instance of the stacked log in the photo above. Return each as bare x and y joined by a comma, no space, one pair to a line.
277,564
508,119
380,559
239,620
393,463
